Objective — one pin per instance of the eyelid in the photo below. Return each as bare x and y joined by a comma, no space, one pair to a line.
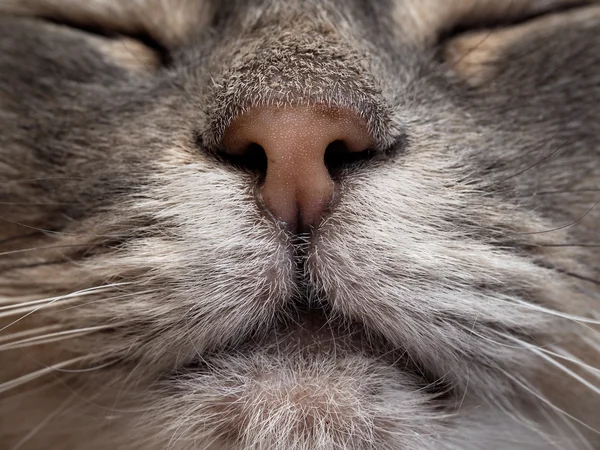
473,55
120,44
499,19
168,22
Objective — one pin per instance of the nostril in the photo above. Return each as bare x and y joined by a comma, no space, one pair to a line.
252,158
298,151
339,157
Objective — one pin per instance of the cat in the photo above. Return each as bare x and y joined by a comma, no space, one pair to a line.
324,224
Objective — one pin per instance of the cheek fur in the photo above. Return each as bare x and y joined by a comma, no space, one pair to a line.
148,302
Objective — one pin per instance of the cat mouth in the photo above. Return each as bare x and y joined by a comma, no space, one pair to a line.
310,375
312,336
306,330
306,372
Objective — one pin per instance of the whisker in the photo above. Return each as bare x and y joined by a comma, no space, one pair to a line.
52,247
578,319
61,233
90,369
564,226
37,204
68,305
19,303
567,356
590,343
30,332
44,422
537,163
64,260
7,386
547,402
544,412
29,180
22,236
13,304
555,363
15,310
518,417
489,339
543,353
50,301
51,337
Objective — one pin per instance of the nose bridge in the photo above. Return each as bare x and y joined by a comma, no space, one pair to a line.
297,61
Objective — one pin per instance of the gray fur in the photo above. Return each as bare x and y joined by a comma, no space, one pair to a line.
448,300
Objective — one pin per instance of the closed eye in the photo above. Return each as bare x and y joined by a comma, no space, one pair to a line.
138,44
477,48
496,19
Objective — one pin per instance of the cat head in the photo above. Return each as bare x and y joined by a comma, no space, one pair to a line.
443,294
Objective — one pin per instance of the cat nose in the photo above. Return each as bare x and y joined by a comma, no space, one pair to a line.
296,141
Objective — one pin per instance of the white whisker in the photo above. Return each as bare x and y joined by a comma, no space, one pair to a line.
489,339
572,317
89,369
547,402
30,332
567,356
12,303
7,386
555,363
67,306
50,301
44,422
591,343
18,309
49,338
552,421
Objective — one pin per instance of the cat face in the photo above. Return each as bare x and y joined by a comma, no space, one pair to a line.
444,295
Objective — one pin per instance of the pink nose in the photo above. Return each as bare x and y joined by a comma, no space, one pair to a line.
298,187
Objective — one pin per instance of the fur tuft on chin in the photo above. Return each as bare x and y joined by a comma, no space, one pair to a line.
269,400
